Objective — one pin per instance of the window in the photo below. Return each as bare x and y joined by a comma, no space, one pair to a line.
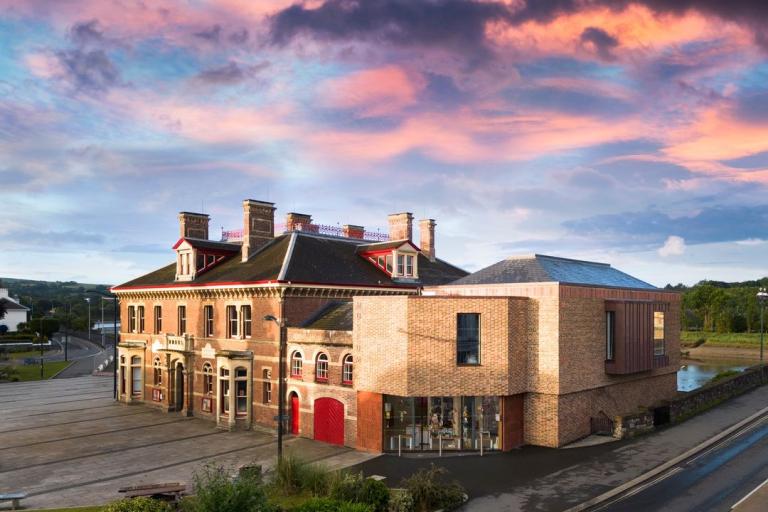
207,379
241,391
400,264
200,261
388,260
380,261
321,368
158,319
468,338
245,312
122,375
231,322
157,372
224,390
346,370
182,327
296,364
141,318
267,376
409,266
208,321
610,334
658,333
131,319
136,376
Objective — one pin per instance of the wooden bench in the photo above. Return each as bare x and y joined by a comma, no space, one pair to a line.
170,491
14,498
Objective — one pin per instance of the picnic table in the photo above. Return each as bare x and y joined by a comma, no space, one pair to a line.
169,491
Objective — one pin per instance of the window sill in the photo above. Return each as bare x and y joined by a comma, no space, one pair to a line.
470,365
347,384
321,381
296,377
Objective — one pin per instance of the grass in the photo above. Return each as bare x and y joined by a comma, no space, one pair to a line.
32,371
721,339
25,354
74,509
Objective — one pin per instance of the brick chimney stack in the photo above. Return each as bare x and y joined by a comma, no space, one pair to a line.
427,238
258,225
400,226
193,225
293,220
353,231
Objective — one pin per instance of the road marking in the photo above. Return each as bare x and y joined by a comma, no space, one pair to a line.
745,498
640,488
727,440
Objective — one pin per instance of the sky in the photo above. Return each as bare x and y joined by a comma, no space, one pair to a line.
627,132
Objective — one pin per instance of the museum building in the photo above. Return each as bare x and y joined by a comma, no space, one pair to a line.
390,348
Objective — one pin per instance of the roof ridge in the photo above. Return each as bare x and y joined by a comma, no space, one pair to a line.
536,256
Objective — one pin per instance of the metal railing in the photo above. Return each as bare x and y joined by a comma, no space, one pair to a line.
236,235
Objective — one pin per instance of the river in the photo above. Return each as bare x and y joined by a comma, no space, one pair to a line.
694,373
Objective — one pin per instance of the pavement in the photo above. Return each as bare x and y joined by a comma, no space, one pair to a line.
67,443
544,479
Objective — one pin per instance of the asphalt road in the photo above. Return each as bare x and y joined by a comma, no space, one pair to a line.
86,356
714,480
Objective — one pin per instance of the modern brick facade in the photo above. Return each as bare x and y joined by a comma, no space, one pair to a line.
389,347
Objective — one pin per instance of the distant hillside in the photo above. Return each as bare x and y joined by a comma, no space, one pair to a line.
56,298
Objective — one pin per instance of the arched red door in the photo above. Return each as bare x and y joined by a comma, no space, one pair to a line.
329,421
294,414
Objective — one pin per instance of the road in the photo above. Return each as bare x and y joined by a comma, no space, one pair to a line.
714,480
86,356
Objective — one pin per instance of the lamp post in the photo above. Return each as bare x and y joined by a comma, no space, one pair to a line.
103,345
104,296
762,297
280,384
88,300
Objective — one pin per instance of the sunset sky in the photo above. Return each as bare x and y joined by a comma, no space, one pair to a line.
630,132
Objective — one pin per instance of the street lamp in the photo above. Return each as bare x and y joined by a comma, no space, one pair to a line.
280,384
762,298
88,300
104,296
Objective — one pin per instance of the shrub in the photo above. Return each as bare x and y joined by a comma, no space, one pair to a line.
332,505
215,491
357,489
400,500
293,475
138,505
429,492
724,375
374,493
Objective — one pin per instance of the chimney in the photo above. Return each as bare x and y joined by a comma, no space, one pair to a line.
193,225
400,226
427,238
296,221
352,231
258,226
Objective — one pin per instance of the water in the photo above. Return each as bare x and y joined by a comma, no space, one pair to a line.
697,372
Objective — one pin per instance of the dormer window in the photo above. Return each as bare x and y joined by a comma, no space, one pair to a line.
193,257
397,259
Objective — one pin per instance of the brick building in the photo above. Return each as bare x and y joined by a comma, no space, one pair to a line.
390,347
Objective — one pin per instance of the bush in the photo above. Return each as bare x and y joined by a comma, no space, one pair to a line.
215,491
724,375
138,505
332,505
400,500
357,489
376,494
293,476
429,492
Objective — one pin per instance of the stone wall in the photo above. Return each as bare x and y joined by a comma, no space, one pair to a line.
631,425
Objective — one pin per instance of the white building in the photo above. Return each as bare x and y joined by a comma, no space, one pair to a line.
15,313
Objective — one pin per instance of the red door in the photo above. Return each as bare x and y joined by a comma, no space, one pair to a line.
294,414
329,421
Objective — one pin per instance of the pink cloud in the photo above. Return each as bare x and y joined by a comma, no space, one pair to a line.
373,92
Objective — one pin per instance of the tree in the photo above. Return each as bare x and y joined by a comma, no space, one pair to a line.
3,309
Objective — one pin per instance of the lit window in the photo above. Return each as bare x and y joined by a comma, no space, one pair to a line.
296,365
321,368
131,319
267,376
182,314
140,310
157,372
245,311
158,319
207,379
136,376
658,333
231,321
208,321
224,390
610,334
468,338
346,371
241,391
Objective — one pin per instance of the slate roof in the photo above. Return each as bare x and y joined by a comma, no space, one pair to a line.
12,305
199,243
313,259
336,316
539,268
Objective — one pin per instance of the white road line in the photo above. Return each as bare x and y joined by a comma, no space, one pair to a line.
728,440
745,498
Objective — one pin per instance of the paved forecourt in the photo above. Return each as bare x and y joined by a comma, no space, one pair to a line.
67,443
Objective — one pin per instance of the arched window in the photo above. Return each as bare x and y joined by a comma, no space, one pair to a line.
267,376
241,391
296,365
346,370
224,390
208,379
321,368
136,376
157,372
